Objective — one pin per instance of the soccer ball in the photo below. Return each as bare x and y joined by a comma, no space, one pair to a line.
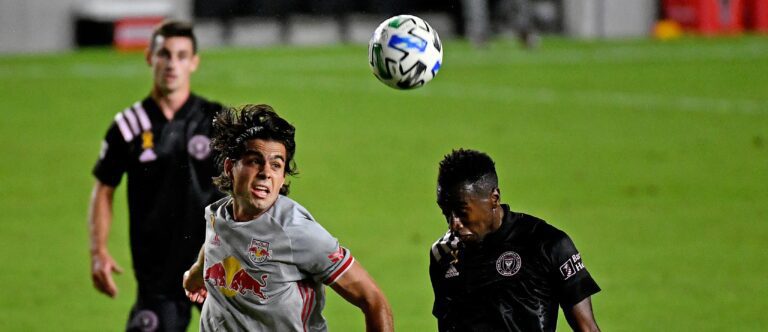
405,52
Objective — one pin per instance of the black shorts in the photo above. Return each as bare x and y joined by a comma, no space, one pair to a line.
159,313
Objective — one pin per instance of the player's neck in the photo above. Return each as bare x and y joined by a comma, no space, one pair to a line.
170,102
498,218
245,212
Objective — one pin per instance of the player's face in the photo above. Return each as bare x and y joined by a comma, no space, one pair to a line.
173,61
257,177
470,216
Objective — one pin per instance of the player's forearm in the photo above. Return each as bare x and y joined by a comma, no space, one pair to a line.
378,316
581,318
100,217
357,287
193,279
197,267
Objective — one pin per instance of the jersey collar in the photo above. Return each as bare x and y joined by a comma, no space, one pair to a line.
500,234
154,111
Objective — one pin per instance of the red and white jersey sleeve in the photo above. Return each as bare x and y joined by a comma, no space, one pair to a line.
317,253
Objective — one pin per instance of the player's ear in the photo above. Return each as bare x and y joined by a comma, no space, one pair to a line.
195,62
496,197
228,164
148,55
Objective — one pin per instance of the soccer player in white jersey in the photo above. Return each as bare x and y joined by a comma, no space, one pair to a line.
265,259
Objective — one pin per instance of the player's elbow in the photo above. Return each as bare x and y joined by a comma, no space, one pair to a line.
373,300
378,313
592,328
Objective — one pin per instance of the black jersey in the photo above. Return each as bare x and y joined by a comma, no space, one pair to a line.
513,280
169,166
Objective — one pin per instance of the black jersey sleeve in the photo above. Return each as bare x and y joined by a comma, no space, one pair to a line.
113,158
573,281
437,307
440,304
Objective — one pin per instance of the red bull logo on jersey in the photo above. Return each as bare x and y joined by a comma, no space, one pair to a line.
259,251
231,279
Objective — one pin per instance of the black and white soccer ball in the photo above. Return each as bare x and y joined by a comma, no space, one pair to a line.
405,52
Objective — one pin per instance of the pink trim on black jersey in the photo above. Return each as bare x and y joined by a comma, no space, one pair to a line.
343,269
125,128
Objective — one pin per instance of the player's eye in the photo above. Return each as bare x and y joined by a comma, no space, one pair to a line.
252,161
450,214
163,54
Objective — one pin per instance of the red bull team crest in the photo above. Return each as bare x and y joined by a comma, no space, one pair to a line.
259,251
231,279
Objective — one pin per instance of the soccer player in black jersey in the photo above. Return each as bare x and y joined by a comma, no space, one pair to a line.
499,270
162,143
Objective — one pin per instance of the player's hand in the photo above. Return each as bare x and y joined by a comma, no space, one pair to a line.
194,285
102,267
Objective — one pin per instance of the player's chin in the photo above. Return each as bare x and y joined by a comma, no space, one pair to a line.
263,203
469,238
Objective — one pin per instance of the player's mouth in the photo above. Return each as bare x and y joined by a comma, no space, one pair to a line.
465,237
260,191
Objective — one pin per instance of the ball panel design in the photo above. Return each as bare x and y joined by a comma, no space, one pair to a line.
405,52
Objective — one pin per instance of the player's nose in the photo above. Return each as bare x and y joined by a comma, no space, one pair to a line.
264,172
455,223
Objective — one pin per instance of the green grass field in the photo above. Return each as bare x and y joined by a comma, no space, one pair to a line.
653,156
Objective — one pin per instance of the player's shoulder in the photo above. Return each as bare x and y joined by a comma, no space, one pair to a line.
443,246
540,234
534,227
218,206
297,223
290,214
209,107
132,121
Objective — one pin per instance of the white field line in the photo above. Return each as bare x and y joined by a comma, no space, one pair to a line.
297,62
621,54
292,67
512,95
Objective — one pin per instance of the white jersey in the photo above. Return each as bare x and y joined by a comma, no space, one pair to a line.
267,274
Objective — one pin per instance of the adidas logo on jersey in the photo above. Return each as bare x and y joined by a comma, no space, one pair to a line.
452,272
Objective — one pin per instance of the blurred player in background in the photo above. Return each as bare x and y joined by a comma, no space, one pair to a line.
499,270
265,259
162,143
481,23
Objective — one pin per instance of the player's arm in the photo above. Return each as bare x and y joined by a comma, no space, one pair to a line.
357,287
580,316
99,222
194,285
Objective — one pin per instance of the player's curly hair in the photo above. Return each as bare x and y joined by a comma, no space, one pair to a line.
464,166
233,127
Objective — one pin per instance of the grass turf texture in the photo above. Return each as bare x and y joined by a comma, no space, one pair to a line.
652,156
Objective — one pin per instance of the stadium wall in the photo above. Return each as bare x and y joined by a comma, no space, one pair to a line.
609,18
34,26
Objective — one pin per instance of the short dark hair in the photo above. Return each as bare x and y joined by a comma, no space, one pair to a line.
233,127
464,166
171,28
